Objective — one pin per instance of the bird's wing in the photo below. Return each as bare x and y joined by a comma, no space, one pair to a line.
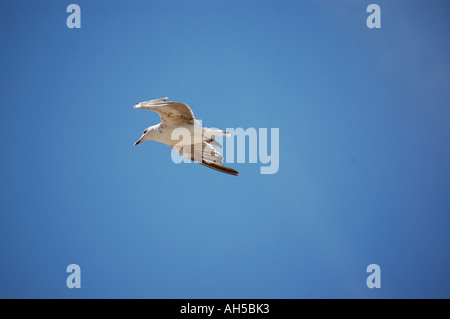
171,113
206,155
214,142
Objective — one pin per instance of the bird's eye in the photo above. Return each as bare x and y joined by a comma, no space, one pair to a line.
145,131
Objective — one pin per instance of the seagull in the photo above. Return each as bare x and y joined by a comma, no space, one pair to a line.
178,118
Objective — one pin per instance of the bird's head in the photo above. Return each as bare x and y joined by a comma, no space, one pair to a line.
147,135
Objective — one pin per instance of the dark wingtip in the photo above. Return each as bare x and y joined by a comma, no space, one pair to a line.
221,168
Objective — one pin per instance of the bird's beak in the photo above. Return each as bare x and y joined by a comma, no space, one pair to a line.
137,142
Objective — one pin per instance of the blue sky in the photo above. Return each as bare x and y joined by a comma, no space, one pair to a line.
364,128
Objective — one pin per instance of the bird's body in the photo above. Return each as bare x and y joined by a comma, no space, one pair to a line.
167,134
180,130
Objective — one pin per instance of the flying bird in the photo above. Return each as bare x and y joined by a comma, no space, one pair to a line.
177,120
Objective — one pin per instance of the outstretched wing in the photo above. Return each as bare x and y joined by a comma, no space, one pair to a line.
171,113
206,155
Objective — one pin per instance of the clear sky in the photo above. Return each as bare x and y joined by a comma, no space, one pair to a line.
364,175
